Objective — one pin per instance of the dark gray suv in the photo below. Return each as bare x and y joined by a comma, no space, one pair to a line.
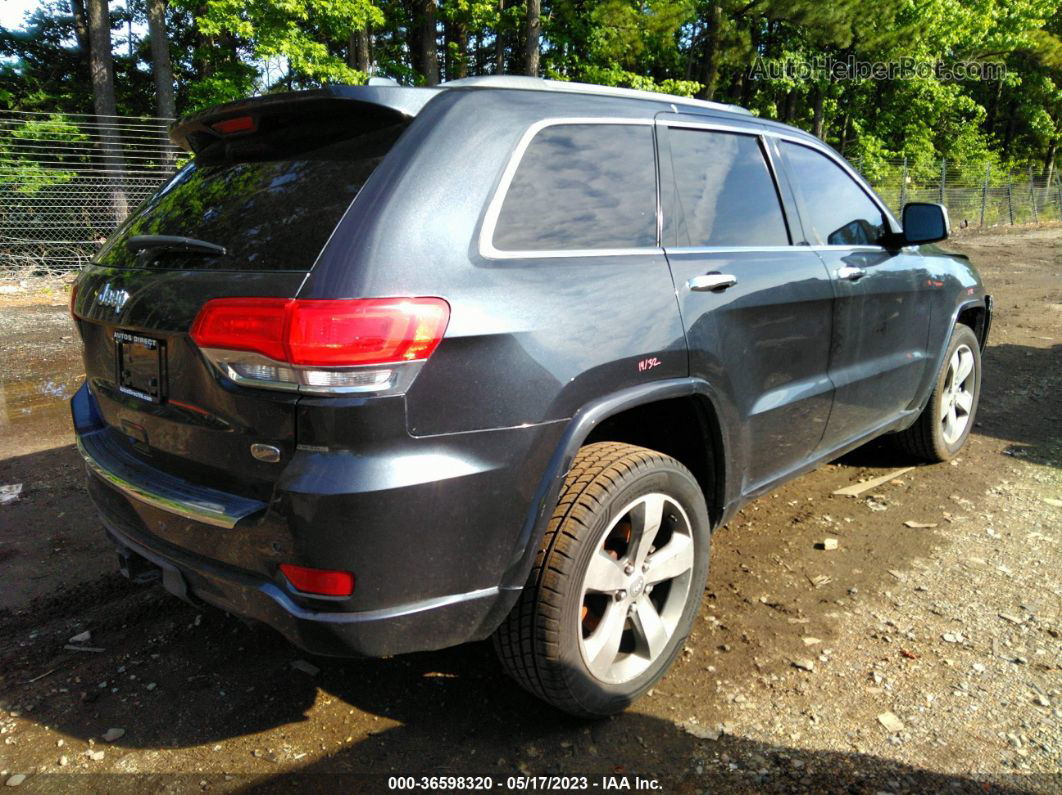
392,369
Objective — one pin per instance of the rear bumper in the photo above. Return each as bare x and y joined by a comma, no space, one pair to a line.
109,462
430,624
432,551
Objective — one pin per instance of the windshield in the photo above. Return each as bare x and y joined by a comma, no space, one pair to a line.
268,214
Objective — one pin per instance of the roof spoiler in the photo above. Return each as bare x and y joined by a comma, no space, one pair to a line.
388,103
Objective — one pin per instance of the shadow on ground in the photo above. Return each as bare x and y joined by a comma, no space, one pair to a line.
452,712
1021,403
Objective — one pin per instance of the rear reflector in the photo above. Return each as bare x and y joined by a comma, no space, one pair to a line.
319,346
322,582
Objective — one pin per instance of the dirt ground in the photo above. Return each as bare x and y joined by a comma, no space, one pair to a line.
798,660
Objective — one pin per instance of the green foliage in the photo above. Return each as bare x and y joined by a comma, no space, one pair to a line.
298,31
26,175
226,49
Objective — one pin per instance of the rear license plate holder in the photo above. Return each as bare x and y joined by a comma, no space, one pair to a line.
141,365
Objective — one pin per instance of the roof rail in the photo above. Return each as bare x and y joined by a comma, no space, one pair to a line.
528,83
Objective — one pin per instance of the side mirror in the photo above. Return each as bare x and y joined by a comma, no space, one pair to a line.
925,223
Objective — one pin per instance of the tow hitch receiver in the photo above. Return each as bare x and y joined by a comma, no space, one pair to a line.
136,568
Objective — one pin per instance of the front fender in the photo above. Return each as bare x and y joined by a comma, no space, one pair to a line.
975,301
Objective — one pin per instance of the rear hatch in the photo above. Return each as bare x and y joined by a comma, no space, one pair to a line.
269,182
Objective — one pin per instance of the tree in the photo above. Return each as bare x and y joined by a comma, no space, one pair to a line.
221,50
102,69
311,36
424,39
534,36
162,69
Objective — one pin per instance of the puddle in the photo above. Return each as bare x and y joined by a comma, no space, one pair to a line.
31,401
36,414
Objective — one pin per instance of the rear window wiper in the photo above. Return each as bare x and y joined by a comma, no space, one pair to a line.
174,243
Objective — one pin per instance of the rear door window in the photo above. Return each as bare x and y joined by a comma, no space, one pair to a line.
582,186
838,210
270,209
724,193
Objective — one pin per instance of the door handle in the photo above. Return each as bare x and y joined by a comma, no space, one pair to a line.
711,281
851,273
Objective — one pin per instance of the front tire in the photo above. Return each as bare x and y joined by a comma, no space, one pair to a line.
945,423
616,585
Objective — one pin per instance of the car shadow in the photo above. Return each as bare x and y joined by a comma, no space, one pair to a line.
452,712
1021,401
458,717
447,713
1021,404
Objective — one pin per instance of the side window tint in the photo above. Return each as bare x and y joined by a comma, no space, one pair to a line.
725,195
840,212
582,186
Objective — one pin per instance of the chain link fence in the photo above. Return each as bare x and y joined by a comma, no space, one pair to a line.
976,194
67,180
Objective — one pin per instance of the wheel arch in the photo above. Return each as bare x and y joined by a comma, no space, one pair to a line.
975,312
620,413
978,316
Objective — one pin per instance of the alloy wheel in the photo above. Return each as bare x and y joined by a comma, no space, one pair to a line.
635,588
957,397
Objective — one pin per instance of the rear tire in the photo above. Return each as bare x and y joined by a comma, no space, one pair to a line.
945,423
616,585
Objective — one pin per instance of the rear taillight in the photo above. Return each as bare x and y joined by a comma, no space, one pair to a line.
337,346
319,582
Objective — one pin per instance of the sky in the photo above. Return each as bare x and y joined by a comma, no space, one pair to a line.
12,12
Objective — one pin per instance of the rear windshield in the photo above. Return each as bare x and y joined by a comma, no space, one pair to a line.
270,211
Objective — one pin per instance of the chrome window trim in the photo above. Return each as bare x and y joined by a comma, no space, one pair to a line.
746,249
487,250
722,126
731,249
855,247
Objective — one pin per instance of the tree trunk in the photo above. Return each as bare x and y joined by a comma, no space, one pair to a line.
499,42
460,36
102,67
1008,133
534,36
1049,169
790,107
710,66
80,16
817,120
161,67
993,106
428,42
358,51
77,11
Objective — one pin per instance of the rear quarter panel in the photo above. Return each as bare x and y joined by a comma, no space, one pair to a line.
530,340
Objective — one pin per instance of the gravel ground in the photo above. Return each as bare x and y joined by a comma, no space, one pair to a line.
908,659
